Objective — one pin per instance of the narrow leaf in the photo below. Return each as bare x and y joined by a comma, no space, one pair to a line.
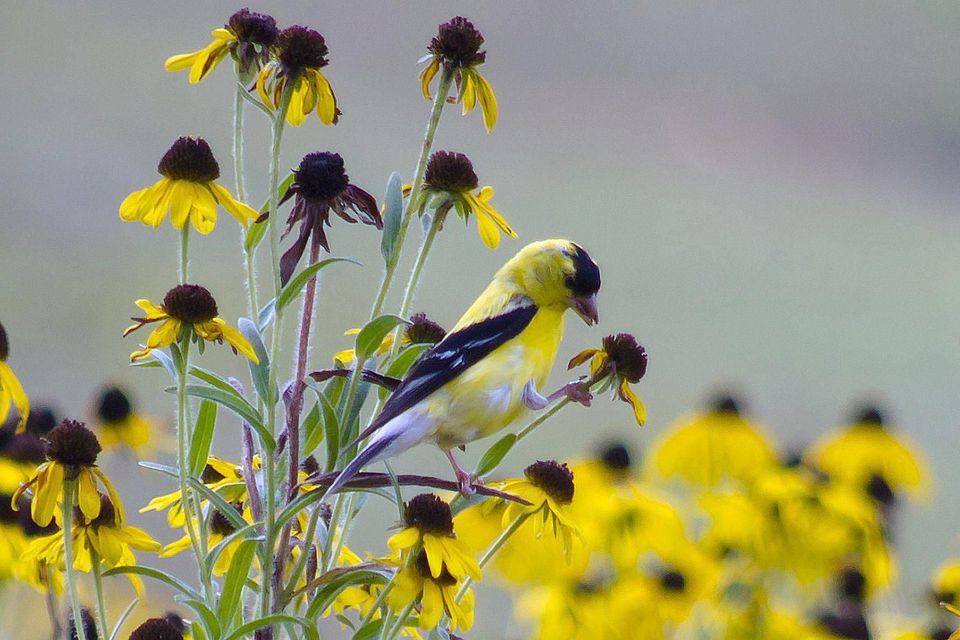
235,579
247,630
156,574
202,437
255,234
296,284
236,403
312,430
371,335
495,454
260,372
267,314
123,618
392,214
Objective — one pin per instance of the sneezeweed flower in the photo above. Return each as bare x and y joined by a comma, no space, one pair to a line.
436,595
119,425
321,185
106,536
247,37
457,48
188,311
622,361
297,57
71,455
449,181
429,524
11,391
716,445
157,629
548,487
866,451
188,191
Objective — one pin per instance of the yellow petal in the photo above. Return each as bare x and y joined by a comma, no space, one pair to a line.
153,205
203,215
435,556
153,312
426,76
468,91
581,357
488,102
627,394
483,202
129,206
207,60
164,335
432,605
109,546
48,489
403,539
237,209
489,232
181,61
88,498
262,89
326,99
236,339
181,200
12,389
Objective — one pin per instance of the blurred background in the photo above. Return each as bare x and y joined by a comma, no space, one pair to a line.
770,190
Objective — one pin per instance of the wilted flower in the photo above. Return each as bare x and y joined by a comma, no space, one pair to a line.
624,361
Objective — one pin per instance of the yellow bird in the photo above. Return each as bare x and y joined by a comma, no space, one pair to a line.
493,363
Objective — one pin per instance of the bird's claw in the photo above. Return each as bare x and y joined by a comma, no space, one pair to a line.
465,481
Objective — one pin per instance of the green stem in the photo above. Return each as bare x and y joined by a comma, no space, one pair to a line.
401,622
491,551
69,491
307,543
51,601
542,417
184,251
98,586
238,144
382,596
325,560
446,78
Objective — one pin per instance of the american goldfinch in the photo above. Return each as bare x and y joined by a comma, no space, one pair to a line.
493,363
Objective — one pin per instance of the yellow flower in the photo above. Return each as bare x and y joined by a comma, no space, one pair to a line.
429,524
436,595
623,361
946,582
457,48
219,528
549,489
106,535
421,330
119,425
449,181
71,455
225,478
247,36
866,451
717,445
187,190
188,307
11,391
299,54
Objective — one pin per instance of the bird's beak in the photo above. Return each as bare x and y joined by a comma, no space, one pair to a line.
586,308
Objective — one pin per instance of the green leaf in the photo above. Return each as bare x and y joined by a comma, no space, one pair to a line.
369,631
236,578
161,358
196,630
212,378
254,235
208,619
123,618
495,454
236,403
245,631
260,372
402,363
166,469
202,437
371,335
392,215
156,574
296,284
340,579
331,430
267,314
312,430
225,508
220,547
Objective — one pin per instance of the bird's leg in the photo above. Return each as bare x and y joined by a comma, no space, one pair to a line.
532,398
463,477
576,390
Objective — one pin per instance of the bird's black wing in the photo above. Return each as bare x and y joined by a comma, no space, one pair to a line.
450,357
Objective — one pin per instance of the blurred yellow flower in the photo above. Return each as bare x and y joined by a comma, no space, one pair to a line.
11,391
119,425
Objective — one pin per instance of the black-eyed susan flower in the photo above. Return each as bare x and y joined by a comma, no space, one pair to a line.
420,330
449,181
429,524
119,425
71,455
247,37
11,391
106,536
456,48
436,594
548,487
158,629
622,361
187,308
187,191
716,445
219,527
296,59
867,451
321,185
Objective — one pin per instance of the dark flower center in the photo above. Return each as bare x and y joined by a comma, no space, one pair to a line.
25,447
176,620
256,28
555,479
4,344
321,176
673,580
89,626
310,466
423,330
851,583
190,303
869,415
72,444
189,159
209,475
725,403
219,523
848,624
880,490
458,43
7,514
301,48
629,357
445,578
157,629
941,633
616,457
429,513
41,420
114,406
450,171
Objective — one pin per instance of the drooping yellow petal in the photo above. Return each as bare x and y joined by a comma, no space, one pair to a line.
468,90
236,340
203,214
295,113
483,200
152,206
48,488
240,211
208,59
487,228
262,86
164,335
181,200
326,99
627,394
153,311
403,539
488,102
426,76
432,605
82,558
11,389
129,208
581,357
181,61
88,498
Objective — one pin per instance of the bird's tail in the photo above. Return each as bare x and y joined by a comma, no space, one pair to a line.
365,457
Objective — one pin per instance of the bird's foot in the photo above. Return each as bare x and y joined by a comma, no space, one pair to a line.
577,391
465,481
